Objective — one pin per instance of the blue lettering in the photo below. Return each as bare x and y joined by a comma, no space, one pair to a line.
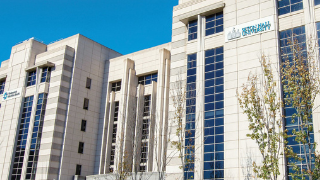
244,31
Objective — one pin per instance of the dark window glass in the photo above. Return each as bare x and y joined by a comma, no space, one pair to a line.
22,137
287,6
88,83
192,30
80,148
78,169
36,136
114,134
116,86
83,125
214,23
2,84
86,103
316,2
147,79
31,78
45,75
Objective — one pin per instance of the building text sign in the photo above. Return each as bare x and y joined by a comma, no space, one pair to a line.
250,28
11,94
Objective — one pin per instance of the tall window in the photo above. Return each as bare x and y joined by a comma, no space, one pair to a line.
31,78
22,138
36,136
288,6
116,86
287,37
147,79
213,116
214,23
145,133
2,84
86,103
81,147
78,169
45,75
190,116
88,83
192,30
114,135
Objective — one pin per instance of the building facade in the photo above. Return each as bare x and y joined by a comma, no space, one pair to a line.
76,109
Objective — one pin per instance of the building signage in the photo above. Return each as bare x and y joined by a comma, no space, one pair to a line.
11,94
249,29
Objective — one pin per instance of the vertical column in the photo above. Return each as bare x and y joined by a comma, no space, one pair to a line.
108,130
152,127
138,129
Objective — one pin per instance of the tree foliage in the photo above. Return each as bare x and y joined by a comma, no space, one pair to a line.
260,101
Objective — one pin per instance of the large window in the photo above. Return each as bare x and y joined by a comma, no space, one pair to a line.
214,23
213,116
287,6
147,79
22,138
45,75
116,86
145,133
36,136
31,79
2,84
192,30
297,37
114,135
190,116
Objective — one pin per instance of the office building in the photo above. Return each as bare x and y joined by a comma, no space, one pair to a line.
75,109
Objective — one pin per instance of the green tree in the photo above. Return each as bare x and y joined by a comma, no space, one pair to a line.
260,101
301,86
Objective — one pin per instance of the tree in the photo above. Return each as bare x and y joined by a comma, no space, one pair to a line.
261,103
301,86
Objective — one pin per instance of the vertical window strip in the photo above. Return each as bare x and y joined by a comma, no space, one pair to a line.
190,116
214,115
288,6
2,84
114,135
45,75
36,136
31,78
22,138
145,133
192,30
214,23
287,37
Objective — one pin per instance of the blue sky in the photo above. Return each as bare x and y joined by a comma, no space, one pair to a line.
123,25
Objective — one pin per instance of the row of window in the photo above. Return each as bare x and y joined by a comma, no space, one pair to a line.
288,6
144,80
45,76
213,25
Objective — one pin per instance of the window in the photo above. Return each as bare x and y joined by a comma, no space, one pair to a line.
214,115
78,170
45,75
31,78
316,2
36,136
116,86
287,6
21,141
114,135
86,104
288,39
83,125
80,148
192,30
88,83
2,84
190,115
214,23
144,152
147,79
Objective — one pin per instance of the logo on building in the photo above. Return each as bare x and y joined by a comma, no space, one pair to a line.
249,28
11,94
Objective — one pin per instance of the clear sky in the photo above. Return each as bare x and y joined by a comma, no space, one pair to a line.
122,25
